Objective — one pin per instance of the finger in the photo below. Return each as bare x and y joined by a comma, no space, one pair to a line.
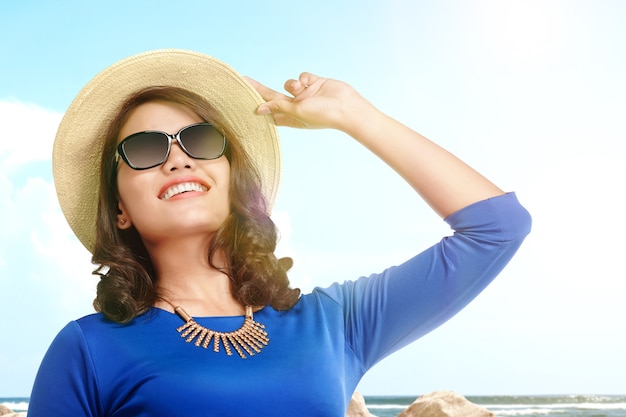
307,79
277,106
283,120
265,92
295,87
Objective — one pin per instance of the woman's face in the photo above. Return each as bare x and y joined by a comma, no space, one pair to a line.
146,200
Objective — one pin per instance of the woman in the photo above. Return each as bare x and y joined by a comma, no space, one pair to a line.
189,170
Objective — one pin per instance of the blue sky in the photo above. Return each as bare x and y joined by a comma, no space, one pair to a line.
532,94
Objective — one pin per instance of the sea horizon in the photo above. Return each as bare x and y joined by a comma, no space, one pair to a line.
571,405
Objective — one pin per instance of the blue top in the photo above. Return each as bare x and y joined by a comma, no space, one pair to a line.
318,350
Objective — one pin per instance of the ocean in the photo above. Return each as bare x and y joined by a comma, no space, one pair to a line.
519,406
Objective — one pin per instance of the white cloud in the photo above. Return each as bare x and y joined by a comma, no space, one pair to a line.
35,236
28,133
44,270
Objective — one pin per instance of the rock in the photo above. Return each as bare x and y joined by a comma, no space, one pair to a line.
6,412
357,407
444,404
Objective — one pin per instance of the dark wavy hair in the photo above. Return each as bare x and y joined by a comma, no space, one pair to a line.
247,237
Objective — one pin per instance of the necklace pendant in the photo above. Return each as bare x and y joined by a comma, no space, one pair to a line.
249,339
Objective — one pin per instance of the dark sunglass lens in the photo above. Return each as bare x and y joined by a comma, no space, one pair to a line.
203,141
145,149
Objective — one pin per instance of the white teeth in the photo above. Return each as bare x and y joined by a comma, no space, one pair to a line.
181,188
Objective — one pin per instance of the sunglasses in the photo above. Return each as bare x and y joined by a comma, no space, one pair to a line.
149,149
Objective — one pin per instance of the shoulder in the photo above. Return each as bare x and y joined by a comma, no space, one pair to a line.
73,334
91,323
97,328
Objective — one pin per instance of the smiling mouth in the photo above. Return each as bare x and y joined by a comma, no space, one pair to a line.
183,187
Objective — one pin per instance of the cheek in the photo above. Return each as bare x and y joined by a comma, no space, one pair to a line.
227,182
131,191
122,188
224,173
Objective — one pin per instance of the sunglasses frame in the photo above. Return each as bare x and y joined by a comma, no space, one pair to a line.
119,152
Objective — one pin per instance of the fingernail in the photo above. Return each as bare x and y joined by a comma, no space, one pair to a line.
263,109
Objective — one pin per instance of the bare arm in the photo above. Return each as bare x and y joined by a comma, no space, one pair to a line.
445,182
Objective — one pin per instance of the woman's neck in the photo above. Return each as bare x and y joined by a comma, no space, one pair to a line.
186,278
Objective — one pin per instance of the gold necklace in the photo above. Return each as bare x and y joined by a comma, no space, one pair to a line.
250,337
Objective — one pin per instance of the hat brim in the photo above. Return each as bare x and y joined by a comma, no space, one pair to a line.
80,138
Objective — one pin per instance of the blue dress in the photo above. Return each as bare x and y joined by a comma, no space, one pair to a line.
318,350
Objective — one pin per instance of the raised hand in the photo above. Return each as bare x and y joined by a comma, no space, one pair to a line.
313,102
444,181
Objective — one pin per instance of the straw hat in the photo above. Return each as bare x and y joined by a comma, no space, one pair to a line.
79,140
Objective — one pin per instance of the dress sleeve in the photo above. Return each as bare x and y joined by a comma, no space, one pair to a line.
66,382
386,311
